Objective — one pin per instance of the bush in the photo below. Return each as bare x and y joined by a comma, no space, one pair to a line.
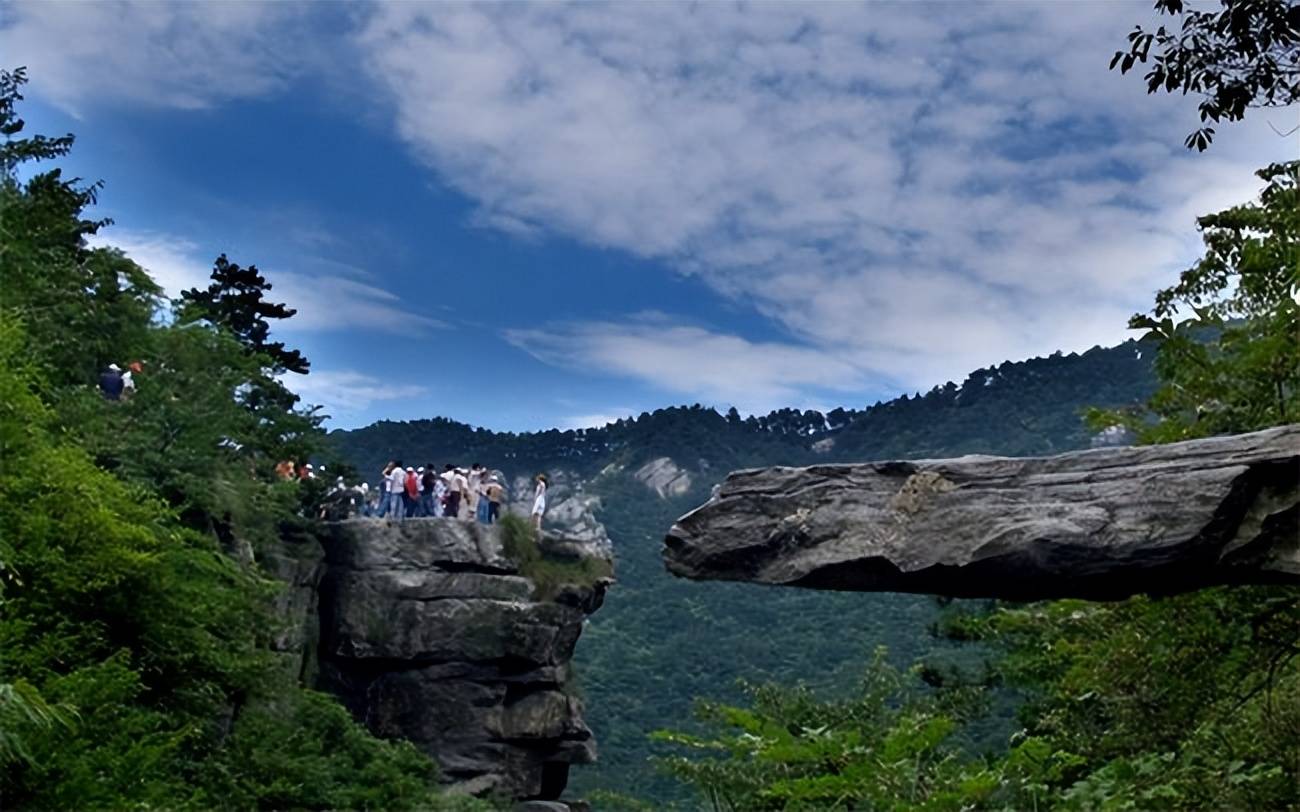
549,573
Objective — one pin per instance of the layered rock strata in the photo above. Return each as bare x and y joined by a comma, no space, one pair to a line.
430,632
1099,524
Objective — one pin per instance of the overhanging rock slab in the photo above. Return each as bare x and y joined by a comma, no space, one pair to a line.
1099,524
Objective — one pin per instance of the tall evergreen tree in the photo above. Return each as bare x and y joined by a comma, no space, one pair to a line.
236,300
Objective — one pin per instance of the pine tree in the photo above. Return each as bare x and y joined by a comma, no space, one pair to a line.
236,300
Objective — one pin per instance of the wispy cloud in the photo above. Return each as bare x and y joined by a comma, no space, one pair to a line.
914,190
693,361
325,301
345,394
181,55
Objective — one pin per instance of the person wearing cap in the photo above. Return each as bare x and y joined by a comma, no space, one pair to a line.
454,491
492,495
110,382
439,493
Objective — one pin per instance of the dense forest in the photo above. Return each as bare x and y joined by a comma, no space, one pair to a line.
136,623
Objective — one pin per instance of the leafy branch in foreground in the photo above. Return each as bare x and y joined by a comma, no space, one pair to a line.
889,747
23,711
1246,55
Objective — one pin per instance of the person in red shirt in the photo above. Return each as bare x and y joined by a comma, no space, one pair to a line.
412,492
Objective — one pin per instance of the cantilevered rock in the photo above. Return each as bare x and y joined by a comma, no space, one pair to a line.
1105,523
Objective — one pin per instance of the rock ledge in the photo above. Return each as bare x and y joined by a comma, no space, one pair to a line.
1099,524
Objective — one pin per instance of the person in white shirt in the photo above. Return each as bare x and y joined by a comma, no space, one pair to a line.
396,490
475,476
453,492
460,484
539,503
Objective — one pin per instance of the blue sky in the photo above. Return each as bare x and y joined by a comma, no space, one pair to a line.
525,216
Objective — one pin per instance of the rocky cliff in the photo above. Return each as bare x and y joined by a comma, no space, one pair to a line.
454,636
1103,523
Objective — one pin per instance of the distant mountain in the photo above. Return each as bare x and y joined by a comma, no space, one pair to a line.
1016,408
659,642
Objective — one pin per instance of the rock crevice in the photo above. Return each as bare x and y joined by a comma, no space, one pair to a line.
1104,523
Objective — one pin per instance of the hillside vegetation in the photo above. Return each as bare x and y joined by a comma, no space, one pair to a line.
135,625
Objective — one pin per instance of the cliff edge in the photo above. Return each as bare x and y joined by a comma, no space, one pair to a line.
455,636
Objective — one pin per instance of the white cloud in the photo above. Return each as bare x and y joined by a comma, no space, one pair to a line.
168,54
346,394
693,361
909,190
325,302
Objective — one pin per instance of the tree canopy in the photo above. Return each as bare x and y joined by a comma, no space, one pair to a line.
236,300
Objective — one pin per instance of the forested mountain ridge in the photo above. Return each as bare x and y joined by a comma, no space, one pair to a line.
661,643
1016,408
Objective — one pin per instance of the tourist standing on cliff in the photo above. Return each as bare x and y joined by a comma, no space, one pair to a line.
411,493
382,490
475,479
453,492
539,503
481,512
461,483
439,496
396,481
493,496
428,490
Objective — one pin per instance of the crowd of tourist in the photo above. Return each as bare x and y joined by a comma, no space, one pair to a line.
402,493
406,492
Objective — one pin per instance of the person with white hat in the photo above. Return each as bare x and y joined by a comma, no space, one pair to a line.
111,383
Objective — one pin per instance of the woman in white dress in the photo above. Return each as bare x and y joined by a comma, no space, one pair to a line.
539,503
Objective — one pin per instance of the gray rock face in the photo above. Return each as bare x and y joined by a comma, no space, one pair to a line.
1104,523
297,562
664,477
570,510
430,633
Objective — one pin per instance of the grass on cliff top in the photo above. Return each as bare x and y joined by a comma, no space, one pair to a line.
548,573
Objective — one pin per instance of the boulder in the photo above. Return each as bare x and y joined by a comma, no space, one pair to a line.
1102,524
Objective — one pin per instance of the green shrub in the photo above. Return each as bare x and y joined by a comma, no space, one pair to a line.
549,573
